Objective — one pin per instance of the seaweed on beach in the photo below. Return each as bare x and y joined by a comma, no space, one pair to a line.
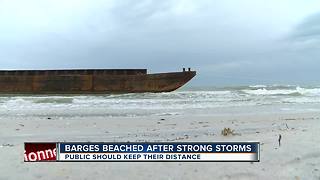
227,131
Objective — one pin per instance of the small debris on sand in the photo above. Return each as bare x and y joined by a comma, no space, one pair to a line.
279,140
7,145
227,131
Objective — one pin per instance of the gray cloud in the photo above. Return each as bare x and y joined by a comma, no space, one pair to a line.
227,42
308,29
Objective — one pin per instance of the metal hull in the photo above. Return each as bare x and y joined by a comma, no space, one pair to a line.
90,81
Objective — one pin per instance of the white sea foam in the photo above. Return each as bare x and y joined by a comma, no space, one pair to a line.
258,86
270,92
172,103
297,91
311,91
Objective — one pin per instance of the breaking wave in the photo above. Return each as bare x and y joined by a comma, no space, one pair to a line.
295,92
173,103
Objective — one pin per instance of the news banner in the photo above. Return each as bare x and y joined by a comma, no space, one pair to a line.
153,152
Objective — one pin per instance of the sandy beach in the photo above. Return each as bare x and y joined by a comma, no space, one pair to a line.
298,157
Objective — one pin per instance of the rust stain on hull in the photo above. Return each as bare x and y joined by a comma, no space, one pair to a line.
91,81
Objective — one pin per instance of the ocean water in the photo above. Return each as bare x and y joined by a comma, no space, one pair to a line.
190,101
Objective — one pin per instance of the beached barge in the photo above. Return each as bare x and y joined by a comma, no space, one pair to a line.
81,81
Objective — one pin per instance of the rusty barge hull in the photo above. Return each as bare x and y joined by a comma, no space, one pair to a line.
86,81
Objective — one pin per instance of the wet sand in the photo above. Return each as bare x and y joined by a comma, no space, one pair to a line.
298,157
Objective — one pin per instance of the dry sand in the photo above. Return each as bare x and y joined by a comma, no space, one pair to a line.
298,157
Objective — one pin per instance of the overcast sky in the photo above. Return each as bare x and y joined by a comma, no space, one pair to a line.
229,42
